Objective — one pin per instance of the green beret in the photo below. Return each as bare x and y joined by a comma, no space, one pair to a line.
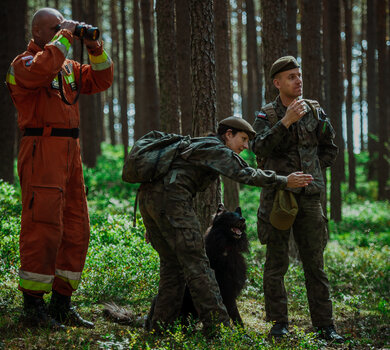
282,64
240,125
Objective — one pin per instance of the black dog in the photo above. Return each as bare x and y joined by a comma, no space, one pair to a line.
225,242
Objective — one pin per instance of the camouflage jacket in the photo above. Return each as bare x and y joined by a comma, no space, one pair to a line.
306,145
202,161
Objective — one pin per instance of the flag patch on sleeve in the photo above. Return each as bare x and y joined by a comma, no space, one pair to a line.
261,115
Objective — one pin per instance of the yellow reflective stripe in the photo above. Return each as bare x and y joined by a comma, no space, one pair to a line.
99,59
10,78
34,285
37,277
73,278
74,284
35,281
100,62
62,43
68,274
101,66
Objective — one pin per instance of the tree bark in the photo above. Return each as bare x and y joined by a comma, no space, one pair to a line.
123,97
138,73
372,115
12,20
335,104
348,100
166,42
183,39
274,35
240,78
383,154
292,26
362,67
114,54
150,94
223,85
86,11
204,94
252,63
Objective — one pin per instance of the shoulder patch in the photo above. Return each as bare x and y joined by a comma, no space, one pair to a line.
25,58
262,115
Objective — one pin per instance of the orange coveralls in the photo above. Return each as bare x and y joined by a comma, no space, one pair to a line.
54,234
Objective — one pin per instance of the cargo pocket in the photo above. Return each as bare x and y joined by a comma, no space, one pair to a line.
325,231
46,204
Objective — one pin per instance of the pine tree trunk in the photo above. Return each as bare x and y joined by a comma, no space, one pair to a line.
372,115
183,39
252,63
150,92
223,83
138,71
335,104
348,101
362,68
383,154
124,93
166,42
204,94
292,26
274,35
86,11
12,20
240,79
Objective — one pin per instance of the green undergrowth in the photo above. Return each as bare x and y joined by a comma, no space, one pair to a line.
121,267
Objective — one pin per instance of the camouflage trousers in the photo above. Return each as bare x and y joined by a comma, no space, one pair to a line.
310,234
174,232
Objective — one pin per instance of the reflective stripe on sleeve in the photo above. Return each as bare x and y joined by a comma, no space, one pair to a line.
73,278
100,62
10,77
62,43
35,281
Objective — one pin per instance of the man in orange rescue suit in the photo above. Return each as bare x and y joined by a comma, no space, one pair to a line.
54,233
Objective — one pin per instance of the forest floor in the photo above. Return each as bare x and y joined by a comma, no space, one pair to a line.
123,268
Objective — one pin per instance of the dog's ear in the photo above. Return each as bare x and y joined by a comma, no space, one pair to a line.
238,210
221,209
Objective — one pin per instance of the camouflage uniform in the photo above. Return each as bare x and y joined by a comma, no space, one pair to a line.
306,146
174,230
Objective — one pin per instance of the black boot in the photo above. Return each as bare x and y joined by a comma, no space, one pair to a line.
61,310
36,314
329,333
279,329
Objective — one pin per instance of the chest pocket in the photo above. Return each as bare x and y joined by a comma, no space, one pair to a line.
311,124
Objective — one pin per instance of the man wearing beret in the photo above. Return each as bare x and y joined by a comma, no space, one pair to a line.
293,135
174,230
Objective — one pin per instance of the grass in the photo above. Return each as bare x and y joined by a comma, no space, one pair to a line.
121,267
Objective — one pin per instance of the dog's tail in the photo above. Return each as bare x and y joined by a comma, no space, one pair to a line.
122,315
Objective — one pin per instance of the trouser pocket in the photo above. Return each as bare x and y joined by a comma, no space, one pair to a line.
46,204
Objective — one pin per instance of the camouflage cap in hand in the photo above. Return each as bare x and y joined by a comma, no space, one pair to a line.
284,210
282,64
240,125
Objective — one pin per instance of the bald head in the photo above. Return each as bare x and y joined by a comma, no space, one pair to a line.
43,25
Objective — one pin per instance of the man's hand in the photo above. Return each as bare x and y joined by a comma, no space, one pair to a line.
69,24
298,179
295,111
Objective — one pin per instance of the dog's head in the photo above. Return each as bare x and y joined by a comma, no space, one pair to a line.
231,221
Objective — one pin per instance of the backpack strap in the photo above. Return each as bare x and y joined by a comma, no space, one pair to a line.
271,113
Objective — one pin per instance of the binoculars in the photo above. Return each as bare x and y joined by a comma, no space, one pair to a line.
84,32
